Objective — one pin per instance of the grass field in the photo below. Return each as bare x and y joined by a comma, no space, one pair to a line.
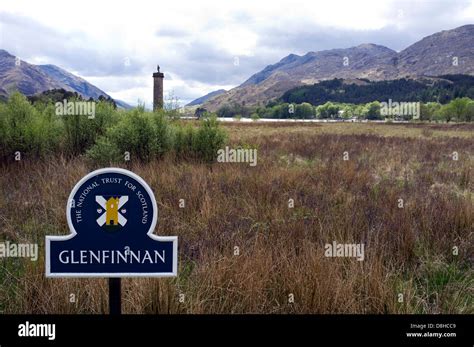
418,258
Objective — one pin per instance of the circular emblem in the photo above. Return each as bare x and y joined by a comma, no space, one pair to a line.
111,201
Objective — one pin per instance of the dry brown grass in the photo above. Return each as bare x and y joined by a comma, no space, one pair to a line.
407,250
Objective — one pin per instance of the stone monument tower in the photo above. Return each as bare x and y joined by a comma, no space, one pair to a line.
158,89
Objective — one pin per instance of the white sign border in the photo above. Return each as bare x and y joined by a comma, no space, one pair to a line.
150,234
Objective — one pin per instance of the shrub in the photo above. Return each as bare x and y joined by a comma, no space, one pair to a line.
183,140
104,152
81,131
144,135
37,130
27,129
208,140
134,133
163,133
255,116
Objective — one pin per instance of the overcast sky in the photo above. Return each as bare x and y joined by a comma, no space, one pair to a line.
204,45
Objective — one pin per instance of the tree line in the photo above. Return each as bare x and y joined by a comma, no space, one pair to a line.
457,110
441,89
446,98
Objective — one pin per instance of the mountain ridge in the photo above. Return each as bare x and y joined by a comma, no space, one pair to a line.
204,98
30,79
433,55
76,83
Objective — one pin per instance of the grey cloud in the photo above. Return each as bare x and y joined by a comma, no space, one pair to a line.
27,39
172,32
416,22
201,60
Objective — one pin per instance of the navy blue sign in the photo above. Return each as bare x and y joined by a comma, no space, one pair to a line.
111,214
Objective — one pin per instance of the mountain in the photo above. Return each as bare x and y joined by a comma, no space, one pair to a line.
431,56
364,61
436,54
31,79
123,104
206,97
26,78
74,82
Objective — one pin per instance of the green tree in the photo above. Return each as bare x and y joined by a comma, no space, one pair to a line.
304,111
469,115
328,110
457,109
373,111
428,111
